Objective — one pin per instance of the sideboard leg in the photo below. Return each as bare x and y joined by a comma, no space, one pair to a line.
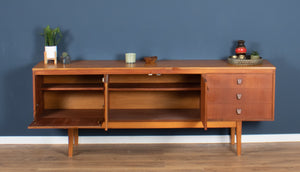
232,135
71,139
239,137
106,101
76,136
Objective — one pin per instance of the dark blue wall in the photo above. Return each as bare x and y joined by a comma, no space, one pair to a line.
170,29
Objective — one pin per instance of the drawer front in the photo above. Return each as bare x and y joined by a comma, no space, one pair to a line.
239,81
248,112
239,95
247,97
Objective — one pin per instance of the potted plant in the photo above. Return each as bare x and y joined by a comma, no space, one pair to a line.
65,58
52,38
255,55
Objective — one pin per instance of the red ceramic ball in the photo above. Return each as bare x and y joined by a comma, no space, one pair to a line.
240,50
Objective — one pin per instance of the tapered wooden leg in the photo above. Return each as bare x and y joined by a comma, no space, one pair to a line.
45,58
76,136
71,139
232,135
55,58
238,138
106,101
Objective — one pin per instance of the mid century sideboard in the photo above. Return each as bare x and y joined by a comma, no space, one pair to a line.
169,94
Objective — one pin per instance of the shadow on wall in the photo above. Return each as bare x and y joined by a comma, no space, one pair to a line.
65,43
38,51
18,111
17,98
286,101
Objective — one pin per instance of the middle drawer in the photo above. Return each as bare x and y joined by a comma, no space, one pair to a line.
239,95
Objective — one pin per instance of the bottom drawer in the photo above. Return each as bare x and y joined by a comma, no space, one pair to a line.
249,112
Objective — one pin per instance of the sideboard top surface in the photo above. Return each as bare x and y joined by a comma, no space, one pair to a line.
163,66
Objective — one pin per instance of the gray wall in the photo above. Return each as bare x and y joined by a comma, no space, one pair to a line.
170,29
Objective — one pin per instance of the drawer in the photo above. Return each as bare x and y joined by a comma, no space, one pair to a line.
239,80
248,112
239,95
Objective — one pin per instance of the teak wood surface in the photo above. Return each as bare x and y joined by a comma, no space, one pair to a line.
168,94
89,67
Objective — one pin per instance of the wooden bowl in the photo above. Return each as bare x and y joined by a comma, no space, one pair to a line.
150,60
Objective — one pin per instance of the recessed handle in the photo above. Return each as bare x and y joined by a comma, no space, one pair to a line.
239,81
150,74
103,80
158,74
238,111
239,96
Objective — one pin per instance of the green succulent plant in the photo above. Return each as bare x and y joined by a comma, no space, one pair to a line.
255,53
52,36
64,54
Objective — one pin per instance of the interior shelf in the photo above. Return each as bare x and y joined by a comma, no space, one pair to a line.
79,87
154,87
69,118
153,115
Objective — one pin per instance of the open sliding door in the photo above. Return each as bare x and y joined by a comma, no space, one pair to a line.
203,101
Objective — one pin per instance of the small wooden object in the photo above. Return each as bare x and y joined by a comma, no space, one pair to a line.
46,58
150,60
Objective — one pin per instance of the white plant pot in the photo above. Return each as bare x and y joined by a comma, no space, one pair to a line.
51,52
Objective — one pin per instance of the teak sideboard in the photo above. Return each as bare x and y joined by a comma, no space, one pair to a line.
169,94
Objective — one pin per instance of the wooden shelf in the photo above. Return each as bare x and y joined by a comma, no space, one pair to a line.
69,118
154,87
153,115
70,87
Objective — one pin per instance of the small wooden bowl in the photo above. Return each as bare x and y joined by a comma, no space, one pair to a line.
150,60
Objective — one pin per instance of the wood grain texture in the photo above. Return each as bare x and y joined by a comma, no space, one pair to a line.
69,118
106,101
203,101
73,99
232,135
71,87
249,112
38,96
238,138
151,115
154,99
155,87
170,124
139,86
247,80
255,102
257,157
117,64
70,141
161,67
144,78
71,79
249,95
273,88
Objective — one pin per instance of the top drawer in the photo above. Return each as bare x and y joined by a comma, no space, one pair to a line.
239,80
